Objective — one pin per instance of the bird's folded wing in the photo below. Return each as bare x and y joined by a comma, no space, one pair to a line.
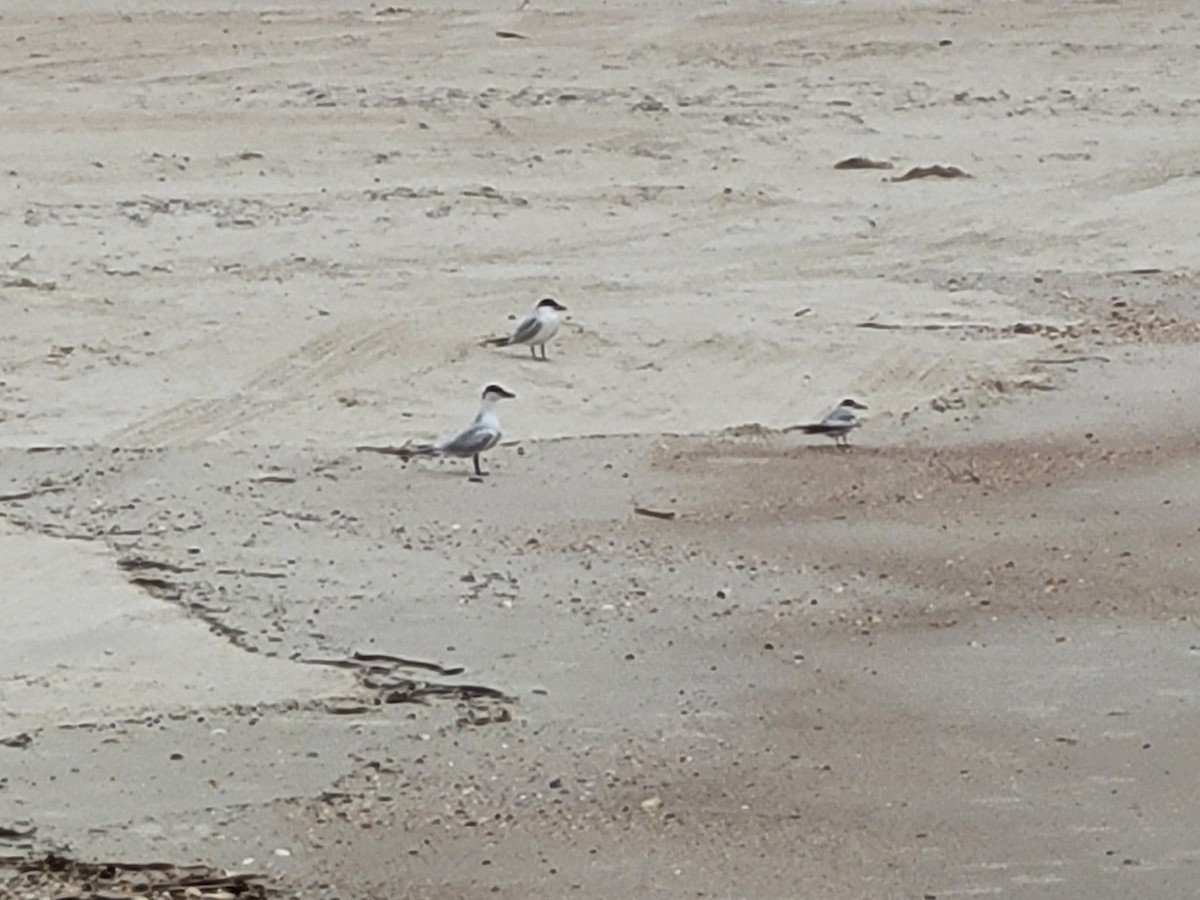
526,331
840,416
475,439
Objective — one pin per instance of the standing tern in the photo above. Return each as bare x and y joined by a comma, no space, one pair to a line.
481,435
838,424
536,329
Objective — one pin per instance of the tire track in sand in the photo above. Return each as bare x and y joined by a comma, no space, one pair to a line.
293,378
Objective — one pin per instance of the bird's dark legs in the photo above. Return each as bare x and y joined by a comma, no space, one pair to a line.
478,471
533,350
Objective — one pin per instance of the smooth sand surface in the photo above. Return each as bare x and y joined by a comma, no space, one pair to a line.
81,643
242,240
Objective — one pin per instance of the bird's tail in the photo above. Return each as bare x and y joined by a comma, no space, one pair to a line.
422,450
407,450
808,429
495,342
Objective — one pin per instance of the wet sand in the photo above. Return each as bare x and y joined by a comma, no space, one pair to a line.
957,659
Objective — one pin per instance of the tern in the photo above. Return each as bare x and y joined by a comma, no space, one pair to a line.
481,435
837,425
536,329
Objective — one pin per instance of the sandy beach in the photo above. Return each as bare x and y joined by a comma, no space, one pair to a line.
244,240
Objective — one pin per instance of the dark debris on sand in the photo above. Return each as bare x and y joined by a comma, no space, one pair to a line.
39,876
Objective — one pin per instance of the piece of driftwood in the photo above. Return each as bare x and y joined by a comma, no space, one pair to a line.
382,662
654,513
25,495
863,162
407,663
250,573
129,563
932,172
408,691
335,663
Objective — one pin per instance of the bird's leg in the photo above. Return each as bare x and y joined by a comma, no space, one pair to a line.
533,350
478,471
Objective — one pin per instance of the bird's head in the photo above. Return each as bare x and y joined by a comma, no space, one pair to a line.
495,392
551,303
852,404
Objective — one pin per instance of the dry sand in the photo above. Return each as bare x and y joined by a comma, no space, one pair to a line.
959,660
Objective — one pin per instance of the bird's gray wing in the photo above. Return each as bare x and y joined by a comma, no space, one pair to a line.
840,416
526,331
475,439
